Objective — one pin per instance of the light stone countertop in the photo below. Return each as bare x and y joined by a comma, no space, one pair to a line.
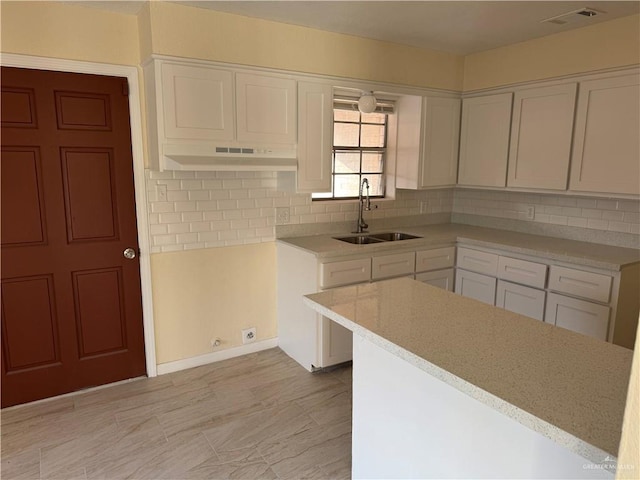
570,251
569,387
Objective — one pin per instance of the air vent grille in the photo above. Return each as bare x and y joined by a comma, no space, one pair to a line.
573,16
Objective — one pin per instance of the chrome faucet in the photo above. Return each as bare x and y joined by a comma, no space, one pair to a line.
361,226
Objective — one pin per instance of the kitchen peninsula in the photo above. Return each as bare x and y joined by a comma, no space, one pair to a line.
448,387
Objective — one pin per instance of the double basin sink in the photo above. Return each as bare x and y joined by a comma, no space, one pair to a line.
376,238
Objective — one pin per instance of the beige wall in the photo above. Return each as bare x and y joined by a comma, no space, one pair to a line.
67,31
202,294
206,34
629,453
605,45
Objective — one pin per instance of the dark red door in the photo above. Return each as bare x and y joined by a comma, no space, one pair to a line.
71,302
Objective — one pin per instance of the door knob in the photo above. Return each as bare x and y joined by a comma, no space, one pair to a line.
129,253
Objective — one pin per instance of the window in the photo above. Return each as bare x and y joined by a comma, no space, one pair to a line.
359,148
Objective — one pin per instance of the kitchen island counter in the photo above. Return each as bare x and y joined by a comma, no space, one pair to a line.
567,387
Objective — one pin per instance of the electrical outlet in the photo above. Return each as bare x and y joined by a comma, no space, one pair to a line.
530,212
249,335
161,193
424,207
282,215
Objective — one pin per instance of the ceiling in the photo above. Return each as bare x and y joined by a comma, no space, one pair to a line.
460,27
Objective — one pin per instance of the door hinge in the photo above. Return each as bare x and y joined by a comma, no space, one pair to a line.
125,88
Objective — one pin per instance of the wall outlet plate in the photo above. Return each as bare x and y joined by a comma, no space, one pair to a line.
248,335
283,215
530,212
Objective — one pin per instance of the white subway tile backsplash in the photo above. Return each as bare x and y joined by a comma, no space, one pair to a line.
213,209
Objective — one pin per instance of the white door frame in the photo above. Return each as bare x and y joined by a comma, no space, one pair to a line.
135,116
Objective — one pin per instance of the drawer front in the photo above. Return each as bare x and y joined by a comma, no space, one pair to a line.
476,261
435,259
577,315
345,273
439,278
592,286
521,271
520,299
388,266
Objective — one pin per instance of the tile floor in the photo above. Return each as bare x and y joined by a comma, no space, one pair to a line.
257,416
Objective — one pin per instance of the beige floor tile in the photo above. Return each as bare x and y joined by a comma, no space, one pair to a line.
21,466
258,416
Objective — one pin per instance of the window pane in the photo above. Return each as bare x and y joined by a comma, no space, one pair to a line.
345,134
346,116
372,136
373,118
371,162
376,185
347,162
346,185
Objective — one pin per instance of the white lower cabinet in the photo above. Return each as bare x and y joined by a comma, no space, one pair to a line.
389,266
438,278
578,315
520,299
476,286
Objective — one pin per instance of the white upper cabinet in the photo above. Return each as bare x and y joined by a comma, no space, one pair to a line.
484,140
315,137
428,136
266,109
541,137
606,146
197,103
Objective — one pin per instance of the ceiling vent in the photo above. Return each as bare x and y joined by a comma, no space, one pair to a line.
574,16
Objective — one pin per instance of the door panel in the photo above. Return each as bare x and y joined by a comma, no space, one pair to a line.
89,197
23,221
71,303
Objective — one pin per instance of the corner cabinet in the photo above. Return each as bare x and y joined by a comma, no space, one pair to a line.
606,146
315,137
541,137
428,136
484,140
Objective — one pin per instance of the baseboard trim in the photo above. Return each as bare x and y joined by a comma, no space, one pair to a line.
213,357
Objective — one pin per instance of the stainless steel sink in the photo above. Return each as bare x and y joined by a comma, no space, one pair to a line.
393,236
376,238
359,239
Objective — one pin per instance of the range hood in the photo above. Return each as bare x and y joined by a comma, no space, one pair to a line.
212,157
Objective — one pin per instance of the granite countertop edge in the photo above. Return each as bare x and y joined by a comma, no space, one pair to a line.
328,247
548,430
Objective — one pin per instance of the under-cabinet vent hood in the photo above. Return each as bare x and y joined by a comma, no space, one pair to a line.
230,157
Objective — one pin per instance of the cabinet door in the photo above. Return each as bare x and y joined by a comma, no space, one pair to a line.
197,103
440,142
541,137
484,140
266,109
577,315
315,137
606,144
519,299
435,259
477,261
336,343
476,286
344,273
439,278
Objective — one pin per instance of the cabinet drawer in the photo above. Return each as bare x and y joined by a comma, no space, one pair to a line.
520,299
435,259
439,278
388,266
593,286
344,273
521,271
577,315
476,261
